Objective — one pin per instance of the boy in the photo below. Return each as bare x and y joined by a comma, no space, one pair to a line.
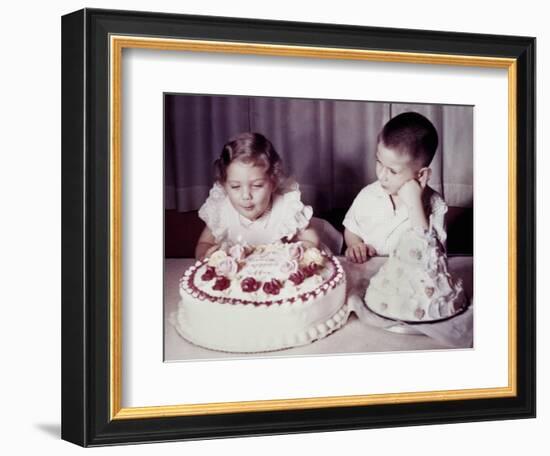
400,199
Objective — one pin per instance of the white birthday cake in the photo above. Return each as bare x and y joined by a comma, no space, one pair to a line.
414,284
263,298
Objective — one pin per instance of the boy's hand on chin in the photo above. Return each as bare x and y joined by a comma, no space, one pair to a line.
360,252
410,192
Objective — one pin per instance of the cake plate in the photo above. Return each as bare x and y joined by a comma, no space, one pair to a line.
411,327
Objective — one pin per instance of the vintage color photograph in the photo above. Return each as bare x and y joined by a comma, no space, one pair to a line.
301,227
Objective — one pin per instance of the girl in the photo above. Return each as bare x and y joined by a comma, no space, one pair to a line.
248,203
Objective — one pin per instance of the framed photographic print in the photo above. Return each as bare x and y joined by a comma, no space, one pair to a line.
277,227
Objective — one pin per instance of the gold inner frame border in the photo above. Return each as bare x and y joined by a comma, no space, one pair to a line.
116,46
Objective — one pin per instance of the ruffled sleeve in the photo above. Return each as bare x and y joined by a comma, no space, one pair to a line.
211,212
291,215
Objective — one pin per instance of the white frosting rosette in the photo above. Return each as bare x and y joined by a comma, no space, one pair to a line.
312,255
237,252
227,267
296,251
289,267
216,257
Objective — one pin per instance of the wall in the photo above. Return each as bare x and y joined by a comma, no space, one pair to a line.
30,228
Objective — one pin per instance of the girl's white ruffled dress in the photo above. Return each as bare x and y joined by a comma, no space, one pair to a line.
286,217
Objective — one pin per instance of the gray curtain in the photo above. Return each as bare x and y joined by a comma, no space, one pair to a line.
328,146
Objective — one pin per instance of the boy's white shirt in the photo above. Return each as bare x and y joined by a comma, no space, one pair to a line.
372,217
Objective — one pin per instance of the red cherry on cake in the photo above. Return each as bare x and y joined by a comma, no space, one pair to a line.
209,274
250,284
272,287
221,283
297,277
310,270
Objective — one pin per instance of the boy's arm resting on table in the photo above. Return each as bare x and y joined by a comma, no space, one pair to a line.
206,244
357,250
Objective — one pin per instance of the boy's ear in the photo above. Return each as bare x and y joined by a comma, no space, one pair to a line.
424,175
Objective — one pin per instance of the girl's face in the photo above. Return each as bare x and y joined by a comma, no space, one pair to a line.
393,169
249,188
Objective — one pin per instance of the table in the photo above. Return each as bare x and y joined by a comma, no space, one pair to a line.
358,335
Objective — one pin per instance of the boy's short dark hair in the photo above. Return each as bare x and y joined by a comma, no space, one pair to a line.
413,134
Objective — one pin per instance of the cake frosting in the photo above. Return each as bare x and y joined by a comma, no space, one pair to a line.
262,298
414,284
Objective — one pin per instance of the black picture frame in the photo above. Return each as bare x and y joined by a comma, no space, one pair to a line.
87,387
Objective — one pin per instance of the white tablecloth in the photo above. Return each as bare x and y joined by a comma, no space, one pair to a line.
359,335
